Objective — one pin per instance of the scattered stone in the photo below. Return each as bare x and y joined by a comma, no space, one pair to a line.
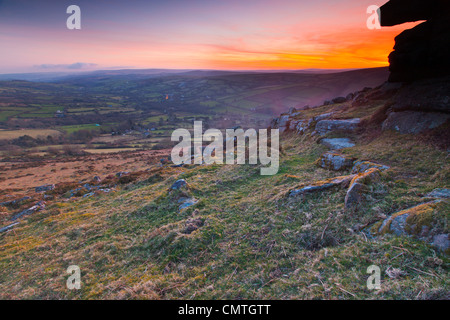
303,125
337,143
8,227
45,187
322,116
335,161
121,174
439,194
325,126
186,203
414,122
39,206
442,243
283,123
355,195
90,194
363,166
179,184
293,124
405,221
339,100
358,187
321,185
97,179
14,202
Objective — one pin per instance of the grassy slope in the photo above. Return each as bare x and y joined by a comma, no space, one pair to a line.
255,242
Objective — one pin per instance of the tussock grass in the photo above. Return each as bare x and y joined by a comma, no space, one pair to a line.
253,244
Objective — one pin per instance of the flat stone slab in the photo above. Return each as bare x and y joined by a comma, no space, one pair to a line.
39,206
321,185
186,203
45,187
439,194
442,242
337,143
363,166
358,187
334,161
4,229
325,126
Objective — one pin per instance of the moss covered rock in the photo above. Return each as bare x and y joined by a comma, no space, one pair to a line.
420,221
362,166
334,161
321,185
358,187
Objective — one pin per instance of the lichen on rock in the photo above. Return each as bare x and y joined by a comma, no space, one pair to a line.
358,187
334,161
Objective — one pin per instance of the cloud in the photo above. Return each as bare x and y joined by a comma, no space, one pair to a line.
73,66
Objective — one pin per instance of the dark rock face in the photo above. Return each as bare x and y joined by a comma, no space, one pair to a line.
423,51
400,11
430,95
414,122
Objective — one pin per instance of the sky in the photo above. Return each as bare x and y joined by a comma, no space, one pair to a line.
192,34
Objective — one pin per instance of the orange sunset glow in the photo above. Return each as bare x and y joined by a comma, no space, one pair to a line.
193,35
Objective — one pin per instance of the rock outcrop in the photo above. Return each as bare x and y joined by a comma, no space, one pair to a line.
420,222
363,166
44,188
439,194
408,221
358,187
37,207
186,203
179,184
335,161
414,122
8,227
321,185
325,126
423,51
337,143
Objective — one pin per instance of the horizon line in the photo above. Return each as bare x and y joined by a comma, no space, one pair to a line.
189,70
